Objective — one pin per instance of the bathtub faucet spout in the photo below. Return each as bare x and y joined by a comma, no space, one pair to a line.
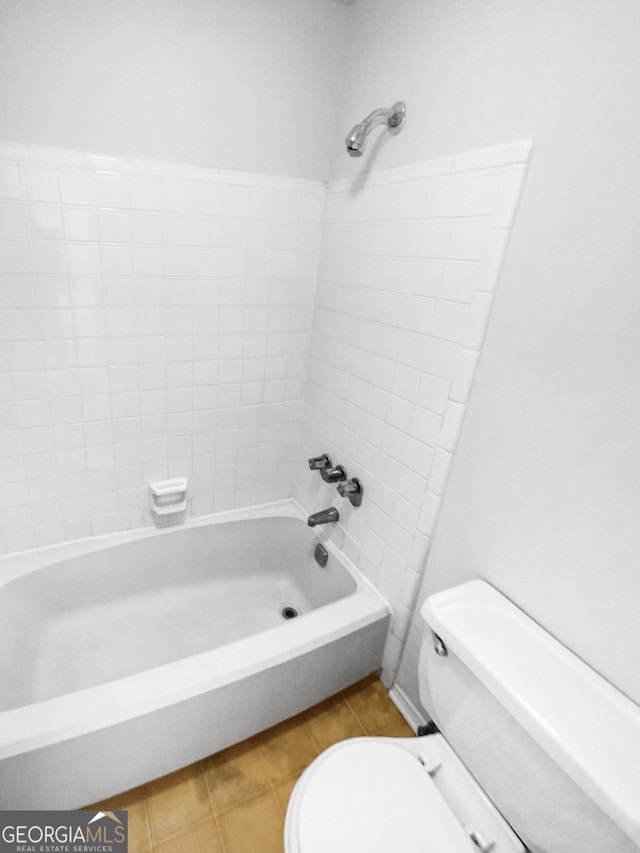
323,517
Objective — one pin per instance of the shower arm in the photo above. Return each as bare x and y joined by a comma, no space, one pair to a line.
381,116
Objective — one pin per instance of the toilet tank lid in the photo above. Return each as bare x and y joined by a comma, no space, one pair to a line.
587,726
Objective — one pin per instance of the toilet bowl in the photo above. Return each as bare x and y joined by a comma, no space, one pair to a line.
386,794
514,767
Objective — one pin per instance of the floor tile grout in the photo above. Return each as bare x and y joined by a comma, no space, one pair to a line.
355,716
156,843
147,817
214,807
268,777
221,833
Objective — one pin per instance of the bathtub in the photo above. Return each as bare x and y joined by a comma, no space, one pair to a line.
131,655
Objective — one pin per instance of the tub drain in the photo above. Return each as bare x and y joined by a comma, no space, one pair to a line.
289,613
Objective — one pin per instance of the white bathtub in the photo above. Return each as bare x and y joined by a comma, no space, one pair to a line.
126,657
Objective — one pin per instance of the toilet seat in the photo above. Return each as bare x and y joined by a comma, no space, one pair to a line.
369,795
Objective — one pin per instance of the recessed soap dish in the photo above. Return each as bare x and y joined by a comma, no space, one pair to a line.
168,497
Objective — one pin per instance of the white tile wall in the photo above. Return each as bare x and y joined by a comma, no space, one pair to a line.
154,322
409,265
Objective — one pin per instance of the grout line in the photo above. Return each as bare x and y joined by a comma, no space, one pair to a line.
272,785
209,790
356,717
214,807
147,818
187,826
313,740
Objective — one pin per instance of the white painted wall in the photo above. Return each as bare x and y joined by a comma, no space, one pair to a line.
544,497
235,85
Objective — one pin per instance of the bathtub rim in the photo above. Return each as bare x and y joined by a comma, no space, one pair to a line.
41,724
19,563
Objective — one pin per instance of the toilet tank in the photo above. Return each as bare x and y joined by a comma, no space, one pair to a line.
553,744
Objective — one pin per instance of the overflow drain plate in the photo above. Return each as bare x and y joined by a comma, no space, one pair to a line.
289,612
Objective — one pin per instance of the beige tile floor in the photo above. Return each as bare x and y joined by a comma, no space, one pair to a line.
235,801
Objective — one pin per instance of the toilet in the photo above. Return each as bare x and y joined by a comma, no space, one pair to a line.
535,751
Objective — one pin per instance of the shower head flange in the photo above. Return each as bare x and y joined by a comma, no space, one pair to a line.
397,115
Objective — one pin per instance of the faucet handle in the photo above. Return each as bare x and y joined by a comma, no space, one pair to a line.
318,463
351,489
333,475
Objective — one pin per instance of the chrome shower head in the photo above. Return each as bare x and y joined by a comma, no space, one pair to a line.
356,138
355,141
